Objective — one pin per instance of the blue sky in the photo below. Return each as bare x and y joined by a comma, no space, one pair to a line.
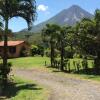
48,8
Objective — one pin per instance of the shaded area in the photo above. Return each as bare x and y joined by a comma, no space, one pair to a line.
14,88
89,71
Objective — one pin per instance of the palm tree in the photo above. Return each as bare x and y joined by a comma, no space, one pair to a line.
62,41
50,31
15,8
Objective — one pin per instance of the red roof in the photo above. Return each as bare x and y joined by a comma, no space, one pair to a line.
11,43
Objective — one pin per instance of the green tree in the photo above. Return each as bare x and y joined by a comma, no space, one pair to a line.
70,41
1,30
97,20
97,40
15,8
50,32
85,31
61,37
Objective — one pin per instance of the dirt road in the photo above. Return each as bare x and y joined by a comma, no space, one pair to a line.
62,88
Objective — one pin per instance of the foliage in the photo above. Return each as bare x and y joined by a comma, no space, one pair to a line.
49,33
8,10
48,52
41,50
77,55
2,72
76,41
69,52
37,50
34,50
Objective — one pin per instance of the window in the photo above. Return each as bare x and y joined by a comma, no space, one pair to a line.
12,50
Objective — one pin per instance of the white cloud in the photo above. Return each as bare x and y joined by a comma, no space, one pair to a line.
42,8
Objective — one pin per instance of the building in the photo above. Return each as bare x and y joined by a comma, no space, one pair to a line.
15,48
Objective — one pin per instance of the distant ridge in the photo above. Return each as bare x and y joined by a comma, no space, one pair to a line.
66,17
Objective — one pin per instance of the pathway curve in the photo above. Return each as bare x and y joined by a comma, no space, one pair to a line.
62,88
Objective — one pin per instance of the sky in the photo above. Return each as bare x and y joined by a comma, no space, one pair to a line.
48,8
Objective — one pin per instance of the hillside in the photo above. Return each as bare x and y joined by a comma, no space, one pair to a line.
66,17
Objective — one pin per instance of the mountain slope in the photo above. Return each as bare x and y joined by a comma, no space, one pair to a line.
66,17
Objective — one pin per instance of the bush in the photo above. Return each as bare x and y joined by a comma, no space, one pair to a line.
37,50
34,50
41,50
48,52
57,53
77,55
2,73
90,57
69,52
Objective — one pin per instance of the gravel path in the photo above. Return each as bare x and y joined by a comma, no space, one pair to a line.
62,88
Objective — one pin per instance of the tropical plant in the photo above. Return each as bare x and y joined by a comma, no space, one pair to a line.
85,35
15,8
50,32
97,40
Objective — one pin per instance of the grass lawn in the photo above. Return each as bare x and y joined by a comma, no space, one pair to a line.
29,62
26,90
39,62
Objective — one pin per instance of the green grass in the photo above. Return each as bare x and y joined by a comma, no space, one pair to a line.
26,90
39,62
29,62
90,63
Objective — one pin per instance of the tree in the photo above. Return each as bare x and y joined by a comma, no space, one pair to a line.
88,37
27,36
15,8
97,40
70,41
61,35
97,20
63,41
50,32
1,31
85,31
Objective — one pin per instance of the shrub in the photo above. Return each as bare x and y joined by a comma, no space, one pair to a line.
48,52
90,57
34,50
41,50
69,52
77,55
2,73
57,53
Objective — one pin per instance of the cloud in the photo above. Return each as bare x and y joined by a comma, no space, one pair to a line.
42,8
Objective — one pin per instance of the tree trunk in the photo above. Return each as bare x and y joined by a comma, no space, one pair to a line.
62,56
52,53
5,54
97,65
